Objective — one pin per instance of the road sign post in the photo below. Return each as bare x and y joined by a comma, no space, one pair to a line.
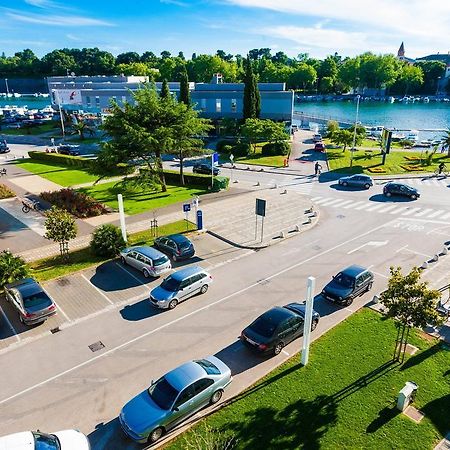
186,209
260,210
214,162
122,217
308,320
232,165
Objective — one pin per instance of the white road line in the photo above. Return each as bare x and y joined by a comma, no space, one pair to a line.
446,216
321,201
330,202
423,212
401,248
375,207
388,208
379,274
436,213
62,311
131,275
398,211
411,211
417,253
366,205
186,316
98,290
314,199
342,203
14,332
353,204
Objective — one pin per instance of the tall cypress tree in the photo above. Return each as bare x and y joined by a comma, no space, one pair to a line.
165,91
252,99
185,95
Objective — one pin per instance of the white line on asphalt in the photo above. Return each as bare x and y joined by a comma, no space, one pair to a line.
62,311
379,274
417,253
401,248
329,202
388,208
375,207
445,216
285,352
365,205
437,230
322,200
9,324
192,313
436,213
215,266
423,212
131,275
400,210
353,204
411,211
98,290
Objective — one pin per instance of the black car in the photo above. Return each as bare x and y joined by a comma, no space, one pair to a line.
176,246
348,284
274,329
205,168
67,149
400,189
4,147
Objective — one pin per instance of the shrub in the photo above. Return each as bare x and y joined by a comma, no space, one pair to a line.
63,160
5,192
227,149
224,143
76,203
12,268
107,241
241,149
275,148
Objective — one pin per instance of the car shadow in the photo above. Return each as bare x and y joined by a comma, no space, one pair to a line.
394,199
139,311
339,187
110,436
185,262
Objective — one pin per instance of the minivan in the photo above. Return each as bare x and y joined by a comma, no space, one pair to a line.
148,260
179,286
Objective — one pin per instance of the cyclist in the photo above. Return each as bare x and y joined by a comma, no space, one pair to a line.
441,167
317,168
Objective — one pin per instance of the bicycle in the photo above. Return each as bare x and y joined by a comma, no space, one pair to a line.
3,171
28,205
444,172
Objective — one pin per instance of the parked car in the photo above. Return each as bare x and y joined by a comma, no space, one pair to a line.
68,149
4,146
319,147
173,398
294,128
37,440
348,284
177,246
179,286
357,180
148,260
404,190
30,300
317,137
274,329
205,168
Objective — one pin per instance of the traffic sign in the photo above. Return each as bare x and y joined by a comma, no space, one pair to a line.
186,207
231,157
260,207
215,158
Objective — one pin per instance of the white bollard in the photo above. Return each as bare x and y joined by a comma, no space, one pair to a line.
257,184
297,228
285,191
282,235
424,265
445,251
435,257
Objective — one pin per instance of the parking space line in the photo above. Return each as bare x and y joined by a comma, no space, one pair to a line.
62,311
9,324
132,275
98,290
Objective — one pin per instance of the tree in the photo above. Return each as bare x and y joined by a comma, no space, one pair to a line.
252,99
60,227
411,303
342,137
409,79
446,142
128,58
165,91
57,62
185,95
135,68
80,127
349,72
432,71
107,240
12,268
165,54
252,131
303,75
332,128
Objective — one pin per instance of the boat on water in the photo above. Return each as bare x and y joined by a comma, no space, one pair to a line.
413,135
391,99
17,95
426,100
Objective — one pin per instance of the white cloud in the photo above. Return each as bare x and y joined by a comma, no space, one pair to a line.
41,3
67,20
174,2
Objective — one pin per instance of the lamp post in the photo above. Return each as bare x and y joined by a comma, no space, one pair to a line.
7,88
437,86
354,131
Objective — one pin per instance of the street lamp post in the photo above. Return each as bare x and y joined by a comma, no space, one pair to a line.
7,88
354,131
437,86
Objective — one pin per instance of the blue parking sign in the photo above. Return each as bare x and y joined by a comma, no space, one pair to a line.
186,207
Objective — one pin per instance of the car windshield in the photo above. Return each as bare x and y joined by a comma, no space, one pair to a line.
208,366
163,393
170,284
263,327
184,244
36,299
344,280
46,442
160,261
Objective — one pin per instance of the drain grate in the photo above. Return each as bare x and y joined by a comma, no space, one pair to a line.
63,281
97,346
55,330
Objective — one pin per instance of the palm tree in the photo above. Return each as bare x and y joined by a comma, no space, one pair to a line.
446,142
80,127
12,268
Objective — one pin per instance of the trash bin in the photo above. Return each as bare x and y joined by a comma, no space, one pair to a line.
406,395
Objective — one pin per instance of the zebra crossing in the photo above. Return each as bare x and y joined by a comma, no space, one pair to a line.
383,208
419,182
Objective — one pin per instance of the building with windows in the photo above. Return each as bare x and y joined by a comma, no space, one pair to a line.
215,100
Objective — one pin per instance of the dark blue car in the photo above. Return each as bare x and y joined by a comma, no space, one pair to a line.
176,246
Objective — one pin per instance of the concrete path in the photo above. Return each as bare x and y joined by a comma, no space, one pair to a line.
444,444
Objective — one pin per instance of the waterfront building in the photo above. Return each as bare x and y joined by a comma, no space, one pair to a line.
215,100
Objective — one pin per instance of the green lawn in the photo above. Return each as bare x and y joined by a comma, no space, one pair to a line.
44,128
60,174
141,199
257,159
345,397
339,161
49,268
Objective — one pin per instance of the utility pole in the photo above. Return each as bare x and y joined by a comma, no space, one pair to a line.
354,131
308,319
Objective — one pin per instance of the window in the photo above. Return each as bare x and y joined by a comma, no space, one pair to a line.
185,283
97,100
218,105
203,104
185,396
88,101
201,385
142,258
124,99
233,105
162,393
209,367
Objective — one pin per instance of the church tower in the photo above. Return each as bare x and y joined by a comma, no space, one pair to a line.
401,52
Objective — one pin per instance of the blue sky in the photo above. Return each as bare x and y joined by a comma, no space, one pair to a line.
317,27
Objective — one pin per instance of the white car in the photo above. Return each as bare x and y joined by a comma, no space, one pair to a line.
36,440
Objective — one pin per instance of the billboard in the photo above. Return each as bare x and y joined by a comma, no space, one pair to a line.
67,96
386,139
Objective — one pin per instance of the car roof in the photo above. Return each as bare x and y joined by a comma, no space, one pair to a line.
150,252
354,270
184,375
178,238
17,441
277,314
26,286
180,275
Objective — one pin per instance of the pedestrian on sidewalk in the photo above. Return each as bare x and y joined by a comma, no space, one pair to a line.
317,168
286,162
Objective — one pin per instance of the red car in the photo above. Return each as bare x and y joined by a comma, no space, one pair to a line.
319,147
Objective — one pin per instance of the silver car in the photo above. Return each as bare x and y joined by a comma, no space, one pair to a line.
148,260
173,398
357,180
180,286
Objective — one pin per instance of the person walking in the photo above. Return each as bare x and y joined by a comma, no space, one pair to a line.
317,168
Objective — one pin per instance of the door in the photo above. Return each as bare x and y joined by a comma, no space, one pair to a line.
283,332
359,284
162,244
140,261
182,407
131,259
171,247
298,326
185,289
196,283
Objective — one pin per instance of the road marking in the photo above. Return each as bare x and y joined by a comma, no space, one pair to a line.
401,248
370,244
417,253
62,311
353,204
9,324
398,211
445,216
380,274
423,212
188,315
411,211
388,208
98,290
366,205
321,201
285,352
342,203
437,213
375,207
131,275
329,202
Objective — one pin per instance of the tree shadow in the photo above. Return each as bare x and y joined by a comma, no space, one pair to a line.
421,356
384,416
438,411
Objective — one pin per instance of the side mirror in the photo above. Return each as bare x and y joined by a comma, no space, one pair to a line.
175,409
152,383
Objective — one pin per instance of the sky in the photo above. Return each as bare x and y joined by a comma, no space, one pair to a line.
316,27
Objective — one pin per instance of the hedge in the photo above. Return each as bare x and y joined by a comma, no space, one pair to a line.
66,160
275,148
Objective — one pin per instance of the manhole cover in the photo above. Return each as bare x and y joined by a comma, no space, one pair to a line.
96,346
63,281
55,330
340,216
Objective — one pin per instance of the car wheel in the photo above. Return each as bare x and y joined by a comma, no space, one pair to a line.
204,288
349,301
278,348
314,325
369,287
216,397
367,185
123,260
173,304
155,435
21,319
388,194
146,273
345,184
414,197
174,257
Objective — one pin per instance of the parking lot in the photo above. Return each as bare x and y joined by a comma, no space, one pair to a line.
108,286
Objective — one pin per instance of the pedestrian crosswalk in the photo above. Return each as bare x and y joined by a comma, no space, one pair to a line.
383,208
420,182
